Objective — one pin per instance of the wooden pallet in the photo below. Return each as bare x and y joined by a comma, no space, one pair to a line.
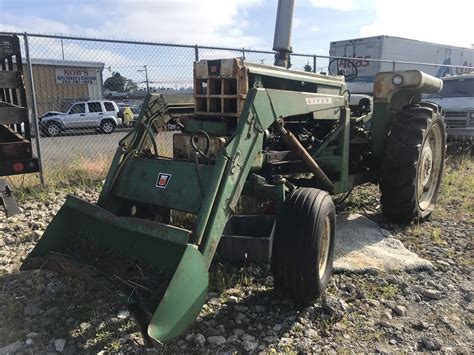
13,145
12,114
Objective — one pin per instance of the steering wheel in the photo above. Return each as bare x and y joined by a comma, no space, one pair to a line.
345,67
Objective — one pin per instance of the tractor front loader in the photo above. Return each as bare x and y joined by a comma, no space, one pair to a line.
281,136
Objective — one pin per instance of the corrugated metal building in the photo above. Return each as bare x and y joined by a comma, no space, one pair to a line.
59,83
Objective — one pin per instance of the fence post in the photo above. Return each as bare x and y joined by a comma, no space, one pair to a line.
314,63
34,119
243,53
196,53
394,65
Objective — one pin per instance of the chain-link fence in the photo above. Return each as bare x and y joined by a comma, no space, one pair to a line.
86,93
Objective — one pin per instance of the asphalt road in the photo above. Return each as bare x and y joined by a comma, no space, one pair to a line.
67,149
71,147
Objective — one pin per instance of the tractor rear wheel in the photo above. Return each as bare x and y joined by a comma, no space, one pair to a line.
413,164
303,245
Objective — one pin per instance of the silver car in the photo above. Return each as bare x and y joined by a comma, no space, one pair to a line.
102,114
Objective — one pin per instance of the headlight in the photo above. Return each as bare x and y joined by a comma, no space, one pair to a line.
397,80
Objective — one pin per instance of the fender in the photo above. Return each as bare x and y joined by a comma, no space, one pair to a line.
113,118
55,119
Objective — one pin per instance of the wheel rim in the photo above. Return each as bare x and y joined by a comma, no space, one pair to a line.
108,127
53,130
429,167
324,246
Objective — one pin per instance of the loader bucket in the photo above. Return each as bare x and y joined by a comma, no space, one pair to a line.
162,278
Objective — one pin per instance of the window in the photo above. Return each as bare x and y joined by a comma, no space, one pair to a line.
78,108
94,107
109,106
458,88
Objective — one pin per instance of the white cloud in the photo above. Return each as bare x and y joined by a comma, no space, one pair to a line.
341,5
426,20
298,22
31,23
213,22
314,28
183,21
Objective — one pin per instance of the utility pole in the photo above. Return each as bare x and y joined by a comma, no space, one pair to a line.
62,47
146,77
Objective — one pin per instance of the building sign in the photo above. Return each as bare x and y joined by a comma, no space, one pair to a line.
76,76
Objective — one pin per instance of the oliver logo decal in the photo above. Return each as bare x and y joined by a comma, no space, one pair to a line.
318,100
163,180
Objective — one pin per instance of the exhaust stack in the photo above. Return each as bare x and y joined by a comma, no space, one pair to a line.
282,39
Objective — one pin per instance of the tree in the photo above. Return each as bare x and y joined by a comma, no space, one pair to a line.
308,67
130,86
119,83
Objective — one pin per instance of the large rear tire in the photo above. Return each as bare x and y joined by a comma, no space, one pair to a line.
413,164
303,245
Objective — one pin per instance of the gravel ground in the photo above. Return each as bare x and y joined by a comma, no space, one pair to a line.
43,312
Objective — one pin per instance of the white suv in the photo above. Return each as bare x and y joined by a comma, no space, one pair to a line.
101,114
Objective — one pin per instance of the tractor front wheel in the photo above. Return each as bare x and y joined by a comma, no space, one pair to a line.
413,164
303,245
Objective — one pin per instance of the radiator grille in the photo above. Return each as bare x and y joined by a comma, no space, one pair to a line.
455,123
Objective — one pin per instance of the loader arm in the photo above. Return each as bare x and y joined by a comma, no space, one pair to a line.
183,254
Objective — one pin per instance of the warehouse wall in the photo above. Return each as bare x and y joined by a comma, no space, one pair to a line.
53,96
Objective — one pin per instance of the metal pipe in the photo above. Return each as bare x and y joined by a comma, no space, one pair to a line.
33,107
282,38
292,141
196,53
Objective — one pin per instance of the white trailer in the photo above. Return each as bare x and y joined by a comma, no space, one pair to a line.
394,49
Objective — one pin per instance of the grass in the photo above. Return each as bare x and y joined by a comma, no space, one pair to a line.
79,173
456,189
436,235
225,276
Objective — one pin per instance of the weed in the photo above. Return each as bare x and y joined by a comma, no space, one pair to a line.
388,291
115,346
374,291
436,235
102,335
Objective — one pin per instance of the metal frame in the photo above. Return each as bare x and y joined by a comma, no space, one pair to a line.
34,108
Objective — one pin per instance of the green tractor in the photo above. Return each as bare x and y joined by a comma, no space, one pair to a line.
271,133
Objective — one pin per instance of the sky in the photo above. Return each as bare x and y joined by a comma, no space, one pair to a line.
232,23
243,23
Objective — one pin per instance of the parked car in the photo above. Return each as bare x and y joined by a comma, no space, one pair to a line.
135,109
102,114
360,104
50,113
457,101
